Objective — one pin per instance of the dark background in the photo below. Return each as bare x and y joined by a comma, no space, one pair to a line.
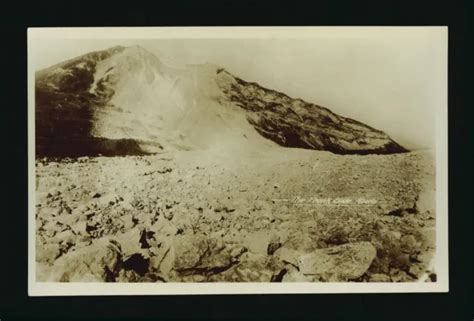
17,16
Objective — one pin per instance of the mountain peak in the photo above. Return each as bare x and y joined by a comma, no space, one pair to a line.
138,50
127,93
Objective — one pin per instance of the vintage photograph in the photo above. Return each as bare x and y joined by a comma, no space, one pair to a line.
299,156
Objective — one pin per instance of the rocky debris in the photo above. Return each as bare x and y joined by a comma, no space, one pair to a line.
338,263
397,275
170,232
129,221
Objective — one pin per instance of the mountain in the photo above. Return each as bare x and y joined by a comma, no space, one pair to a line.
124,100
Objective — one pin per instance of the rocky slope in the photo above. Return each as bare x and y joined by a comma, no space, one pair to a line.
124,100
296,123
201,187
280,217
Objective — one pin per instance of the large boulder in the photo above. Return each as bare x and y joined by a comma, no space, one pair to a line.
186,255
338,263
99,262
252,268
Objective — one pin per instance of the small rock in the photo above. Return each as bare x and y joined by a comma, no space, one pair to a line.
224,209
432,277
425,257
164,227
47,253
68,219
273,245
293,275
145,238
125,276
111,199
238,251
417,270
165,170
379,277
83,240
287,255
401,261
168,215
408,244
257,242
144,218
127,220
397,275
199,278
65,237
395,234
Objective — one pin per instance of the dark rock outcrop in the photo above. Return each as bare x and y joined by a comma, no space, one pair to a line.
295,123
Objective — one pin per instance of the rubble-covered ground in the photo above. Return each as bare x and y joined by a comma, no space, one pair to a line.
279,215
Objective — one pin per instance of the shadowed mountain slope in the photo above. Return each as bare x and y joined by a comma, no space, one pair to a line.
124,100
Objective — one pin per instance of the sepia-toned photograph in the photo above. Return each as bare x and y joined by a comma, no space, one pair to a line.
237,160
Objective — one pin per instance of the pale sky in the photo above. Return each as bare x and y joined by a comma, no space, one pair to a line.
393,80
